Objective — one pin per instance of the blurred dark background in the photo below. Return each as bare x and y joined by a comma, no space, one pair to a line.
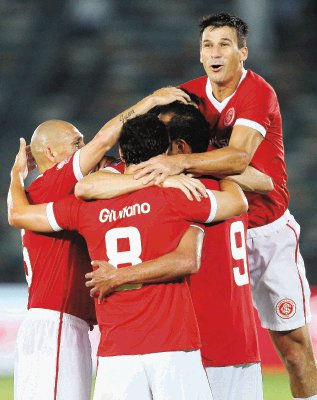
85,61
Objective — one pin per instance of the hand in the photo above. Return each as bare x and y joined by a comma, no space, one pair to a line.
30,159
20,164
187,184
102,279
169,95
158,168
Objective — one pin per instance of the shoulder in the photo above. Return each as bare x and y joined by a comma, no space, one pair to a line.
196,85
256,82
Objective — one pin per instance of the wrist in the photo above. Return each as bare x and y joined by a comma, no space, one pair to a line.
124,276
182,161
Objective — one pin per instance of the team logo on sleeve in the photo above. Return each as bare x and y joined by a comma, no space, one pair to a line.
229,117
285,308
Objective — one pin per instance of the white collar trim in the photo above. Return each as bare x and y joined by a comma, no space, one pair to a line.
219,106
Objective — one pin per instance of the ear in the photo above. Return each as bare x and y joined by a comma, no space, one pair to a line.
244,53
179,146
50,154
120,154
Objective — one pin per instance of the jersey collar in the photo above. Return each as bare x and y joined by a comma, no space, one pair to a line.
219,106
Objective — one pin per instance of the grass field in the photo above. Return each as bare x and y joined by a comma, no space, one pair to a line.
275,387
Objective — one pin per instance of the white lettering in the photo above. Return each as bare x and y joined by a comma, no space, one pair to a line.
106,215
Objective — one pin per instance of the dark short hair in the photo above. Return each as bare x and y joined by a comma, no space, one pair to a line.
143,137
225,19
176,107
187,123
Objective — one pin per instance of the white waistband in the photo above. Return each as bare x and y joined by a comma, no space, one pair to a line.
52,315
267,230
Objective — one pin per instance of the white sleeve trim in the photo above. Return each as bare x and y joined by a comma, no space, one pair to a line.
251,124
110,169
198,227
213,206
51,218
76,166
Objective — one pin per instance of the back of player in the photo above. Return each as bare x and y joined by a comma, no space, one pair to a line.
159,318
222,300
53,343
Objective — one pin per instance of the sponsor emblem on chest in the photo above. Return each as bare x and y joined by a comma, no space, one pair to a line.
285,308
229,117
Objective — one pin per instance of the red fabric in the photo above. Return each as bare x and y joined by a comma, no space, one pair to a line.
156,317
60,260
253,100
224,309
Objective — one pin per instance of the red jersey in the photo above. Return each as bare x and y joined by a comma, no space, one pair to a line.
221,295
128,230
253,104
56,263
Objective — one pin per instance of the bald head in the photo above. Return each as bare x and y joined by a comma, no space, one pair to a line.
53,141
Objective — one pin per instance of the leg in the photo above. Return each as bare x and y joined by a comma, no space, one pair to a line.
281,295
295,350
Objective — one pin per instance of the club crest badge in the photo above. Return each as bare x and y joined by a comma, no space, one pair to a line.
229,117
285,308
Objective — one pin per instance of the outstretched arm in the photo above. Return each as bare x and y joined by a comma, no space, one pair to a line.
229,160
184,260
109,134
106,185
253,180
20,213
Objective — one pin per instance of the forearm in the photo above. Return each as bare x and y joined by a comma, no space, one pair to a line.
163,269
225,161
253,180
20,213
111,130
106,185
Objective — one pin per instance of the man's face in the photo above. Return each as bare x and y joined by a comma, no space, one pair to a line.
220,54
72,141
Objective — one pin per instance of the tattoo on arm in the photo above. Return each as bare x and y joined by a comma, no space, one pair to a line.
125,117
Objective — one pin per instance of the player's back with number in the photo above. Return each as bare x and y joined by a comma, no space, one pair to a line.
222,295
128,230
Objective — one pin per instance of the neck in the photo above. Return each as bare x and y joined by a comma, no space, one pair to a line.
44,166
222,90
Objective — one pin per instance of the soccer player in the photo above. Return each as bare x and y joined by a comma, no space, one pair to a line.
149,335
221,290
53,339
246,128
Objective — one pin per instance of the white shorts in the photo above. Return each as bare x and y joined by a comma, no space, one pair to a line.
177,375
279,285
236,382
50,363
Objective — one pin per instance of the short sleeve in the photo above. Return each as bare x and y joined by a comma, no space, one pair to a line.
64,213
203,211
256,107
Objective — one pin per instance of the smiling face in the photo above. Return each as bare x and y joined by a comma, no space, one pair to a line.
221,56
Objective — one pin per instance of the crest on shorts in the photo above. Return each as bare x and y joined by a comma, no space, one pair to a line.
285,308
229,117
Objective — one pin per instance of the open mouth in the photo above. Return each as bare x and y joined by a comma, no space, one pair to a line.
216,67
